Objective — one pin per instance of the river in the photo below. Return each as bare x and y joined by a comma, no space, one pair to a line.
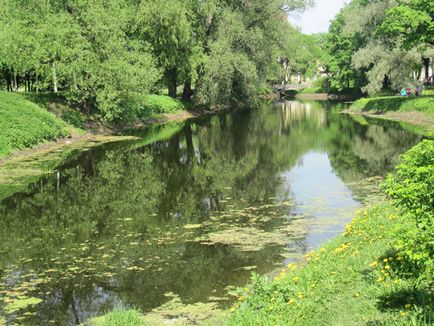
189,211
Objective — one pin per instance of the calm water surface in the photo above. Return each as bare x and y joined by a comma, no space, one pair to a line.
188,210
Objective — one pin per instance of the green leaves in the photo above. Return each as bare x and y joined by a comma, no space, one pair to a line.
412,188
411,22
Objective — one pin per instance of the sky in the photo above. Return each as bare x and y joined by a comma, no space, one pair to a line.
317,19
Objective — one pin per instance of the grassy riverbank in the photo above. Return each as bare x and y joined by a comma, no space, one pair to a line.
378,272
382,105
24,124
29,119
358,278
151,106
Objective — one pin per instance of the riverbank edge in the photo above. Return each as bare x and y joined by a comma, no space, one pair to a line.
98,129
419,119
353,279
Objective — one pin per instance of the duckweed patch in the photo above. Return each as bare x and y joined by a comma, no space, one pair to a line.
175,312
244,239
21,303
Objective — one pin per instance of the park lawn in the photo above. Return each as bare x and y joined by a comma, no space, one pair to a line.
388,104
356,279
24,124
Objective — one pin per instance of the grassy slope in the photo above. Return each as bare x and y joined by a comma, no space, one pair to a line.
353,280
24,124
159,104
381,105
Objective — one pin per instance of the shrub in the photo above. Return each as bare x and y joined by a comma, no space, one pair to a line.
158,104
412,188
73,118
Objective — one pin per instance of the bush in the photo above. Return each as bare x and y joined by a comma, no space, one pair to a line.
23,124
158,104
73,118
412,189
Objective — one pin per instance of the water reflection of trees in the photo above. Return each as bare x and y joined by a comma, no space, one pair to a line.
166,184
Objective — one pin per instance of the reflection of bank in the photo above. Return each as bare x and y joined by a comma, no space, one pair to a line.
294,112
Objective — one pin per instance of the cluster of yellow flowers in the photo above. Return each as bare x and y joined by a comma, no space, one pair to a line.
312,256
386,271
342,248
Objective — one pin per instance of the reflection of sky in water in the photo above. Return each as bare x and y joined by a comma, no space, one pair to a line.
320,196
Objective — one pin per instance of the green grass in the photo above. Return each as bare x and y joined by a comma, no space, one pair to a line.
24,124
356,279
159,104
119,317
386,104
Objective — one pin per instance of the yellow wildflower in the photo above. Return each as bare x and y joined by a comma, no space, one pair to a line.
291,301
408,306
373,264
403,314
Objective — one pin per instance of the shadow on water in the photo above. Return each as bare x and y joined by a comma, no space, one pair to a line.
189,210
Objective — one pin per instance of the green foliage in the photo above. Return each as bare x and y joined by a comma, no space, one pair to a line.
24,124
108,55
119,317
412,21
412,188
157,104
376,45
74,118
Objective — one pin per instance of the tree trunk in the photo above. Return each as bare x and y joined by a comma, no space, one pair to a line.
426,62
16,81
186,94
172,82
54,76
9,81
36,82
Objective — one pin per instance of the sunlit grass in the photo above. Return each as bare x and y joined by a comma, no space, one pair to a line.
23,124
119,317
357,279
386,104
